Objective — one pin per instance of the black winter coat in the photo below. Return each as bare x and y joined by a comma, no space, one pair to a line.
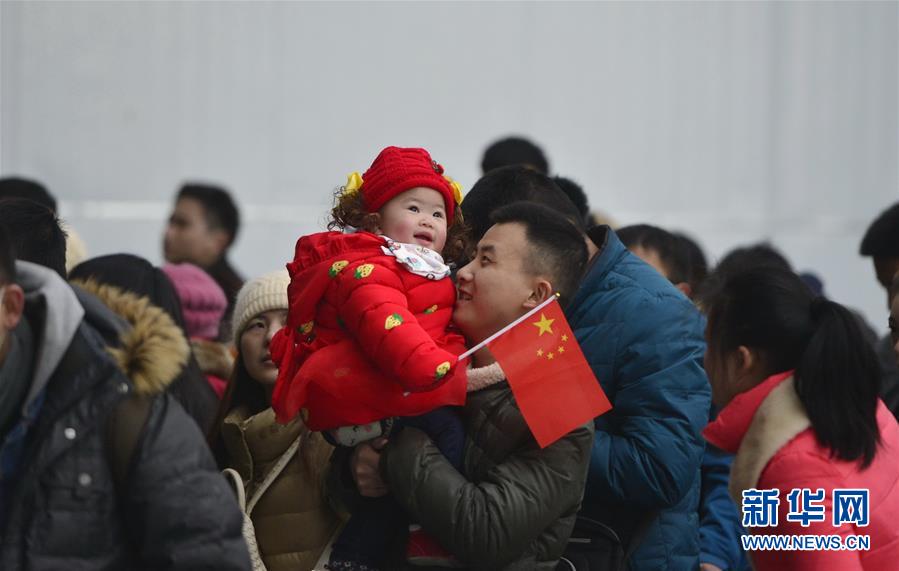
173,511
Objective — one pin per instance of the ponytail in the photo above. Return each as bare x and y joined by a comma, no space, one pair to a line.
837,375
838,382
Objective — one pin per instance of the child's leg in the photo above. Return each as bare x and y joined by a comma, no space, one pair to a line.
446,429
369,533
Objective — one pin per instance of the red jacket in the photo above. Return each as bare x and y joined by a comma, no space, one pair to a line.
365,339
776,448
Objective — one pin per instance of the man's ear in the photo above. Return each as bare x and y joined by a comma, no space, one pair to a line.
220,239
543,289
13,302
685,289
747,361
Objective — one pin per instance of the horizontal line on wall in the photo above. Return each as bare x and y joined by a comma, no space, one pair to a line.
691,222
159,210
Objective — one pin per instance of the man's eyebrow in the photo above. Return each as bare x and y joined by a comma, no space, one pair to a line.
486,248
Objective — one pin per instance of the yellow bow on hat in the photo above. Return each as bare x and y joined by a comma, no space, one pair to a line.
457,189
353,183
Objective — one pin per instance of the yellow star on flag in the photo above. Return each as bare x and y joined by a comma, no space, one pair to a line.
544,325
539,352
550,356
561,349
564,338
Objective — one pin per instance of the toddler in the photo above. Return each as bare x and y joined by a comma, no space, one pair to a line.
368,346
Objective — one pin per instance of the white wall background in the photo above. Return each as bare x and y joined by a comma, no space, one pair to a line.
733,121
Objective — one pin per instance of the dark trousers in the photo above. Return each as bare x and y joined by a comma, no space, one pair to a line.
376,523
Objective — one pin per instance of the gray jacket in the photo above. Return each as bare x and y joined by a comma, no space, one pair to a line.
65,508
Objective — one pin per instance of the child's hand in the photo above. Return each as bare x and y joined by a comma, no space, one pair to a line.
364,466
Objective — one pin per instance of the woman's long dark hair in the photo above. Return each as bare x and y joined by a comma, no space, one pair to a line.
242,390
837,376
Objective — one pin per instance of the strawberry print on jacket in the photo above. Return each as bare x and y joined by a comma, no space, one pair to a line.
366,339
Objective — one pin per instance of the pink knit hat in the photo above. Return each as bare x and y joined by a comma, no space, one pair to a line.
203,302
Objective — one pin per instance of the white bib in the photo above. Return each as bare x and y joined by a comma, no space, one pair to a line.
419,260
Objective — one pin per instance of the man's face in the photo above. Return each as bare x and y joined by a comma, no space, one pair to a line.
188,237
494,288
886,268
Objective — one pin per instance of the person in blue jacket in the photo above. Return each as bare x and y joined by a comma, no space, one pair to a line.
682,262
644,341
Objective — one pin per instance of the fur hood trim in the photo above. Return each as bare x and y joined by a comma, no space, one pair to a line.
152,351
780,418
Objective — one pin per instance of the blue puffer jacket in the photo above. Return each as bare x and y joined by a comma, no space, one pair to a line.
719,518
644,341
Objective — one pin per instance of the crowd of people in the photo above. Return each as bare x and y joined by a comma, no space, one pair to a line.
319,416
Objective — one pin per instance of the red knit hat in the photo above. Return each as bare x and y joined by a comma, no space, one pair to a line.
396,170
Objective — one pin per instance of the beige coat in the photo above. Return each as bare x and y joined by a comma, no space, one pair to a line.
293,519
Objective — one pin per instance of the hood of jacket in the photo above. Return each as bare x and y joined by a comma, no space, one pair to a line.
48,295
150,348
317,259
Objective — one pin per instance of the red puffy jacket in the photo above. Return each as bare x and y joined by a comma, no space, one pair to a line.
776,448
365,339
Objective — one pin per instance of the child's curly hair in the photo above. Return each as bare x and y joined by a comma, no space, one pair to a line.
350,212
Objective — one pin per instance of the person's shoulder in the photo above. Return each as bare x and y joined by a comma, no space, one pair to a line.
149,348
313,249
632,292
580,438
804,462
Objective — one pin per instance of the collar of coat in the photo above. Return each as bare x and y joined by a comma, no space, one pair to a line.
152,349
755,425
483,377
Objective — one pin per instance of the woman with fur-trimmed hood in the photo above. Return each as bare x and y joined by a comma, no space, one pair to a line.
136,275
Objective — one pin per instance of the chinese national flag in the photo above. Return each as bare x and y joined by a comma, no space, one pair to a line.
554,386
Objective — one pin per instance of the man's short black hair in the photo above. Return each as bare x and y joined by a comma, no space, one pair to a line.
513,151
7,258
694,259
35,233
557,251
882,237
671,251
221,212
513,184
576,195
15,187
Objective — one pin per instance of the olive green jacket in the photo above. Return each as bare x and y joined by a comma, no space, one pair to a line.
515,507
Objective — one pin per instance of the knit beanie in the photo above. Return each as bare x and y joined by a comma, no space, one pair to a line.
396,170
259,295
203,303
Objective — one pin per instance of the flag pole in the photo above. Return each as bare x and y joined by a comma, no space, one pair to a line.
490,339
